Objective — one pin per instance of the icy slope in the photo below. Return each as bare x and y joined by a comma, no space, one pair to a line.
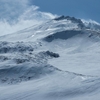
40,31
57,60
61,24
58,86
19,62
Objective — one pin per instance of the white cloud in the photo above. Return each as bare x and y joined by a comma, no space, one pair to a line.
19,14
11,9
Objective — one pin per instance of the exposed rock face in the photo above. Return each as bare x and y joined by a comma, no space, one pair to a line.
73,19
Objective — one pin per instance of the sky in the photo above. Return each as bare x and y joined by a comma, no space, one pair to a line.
86,9
16,15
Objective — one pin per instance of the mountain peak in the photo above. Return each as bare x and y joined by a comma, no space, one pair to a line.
72,19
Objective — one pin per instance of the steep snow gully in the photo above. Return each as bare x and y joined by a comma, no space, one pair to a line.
56,60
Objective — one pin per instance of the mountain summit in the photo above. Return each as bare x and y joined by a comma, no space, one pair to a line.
59,24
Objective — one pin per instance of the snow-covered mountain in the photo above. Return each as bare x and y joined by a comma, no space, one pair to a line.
56,60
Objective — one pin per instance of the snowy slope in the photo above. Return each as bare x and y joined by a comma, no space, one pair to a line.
57,60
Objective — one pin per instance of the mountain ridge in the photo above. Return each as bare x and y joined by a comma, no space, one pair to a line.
51,27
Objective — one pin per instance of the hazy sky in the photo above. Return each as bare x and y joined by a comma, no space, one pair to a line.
16,15
87,9
19,14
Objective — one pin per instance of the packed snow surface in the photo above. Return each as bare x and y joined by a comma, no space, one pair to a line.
56,60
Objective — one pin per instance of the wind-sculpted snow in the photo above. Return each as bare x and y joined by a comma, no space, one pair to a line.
25,66
8,47
56,60
63,35
60,24
24,72
19,62
40,31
